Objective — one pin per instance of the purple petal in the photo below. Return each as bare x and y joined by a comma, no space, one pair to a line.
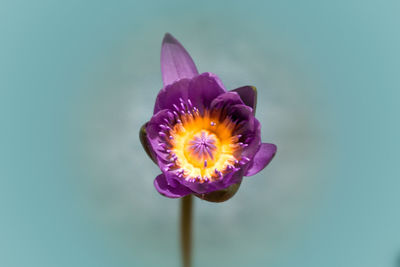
193,186
249,127
243,114
253,139
176,62
170,94
153,130
248,94
201,90
263,156
170,176
204,88
233,178
172,192
202,188
228,98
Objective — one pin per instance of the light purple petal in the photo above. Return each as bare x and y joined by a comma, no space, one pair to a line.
163,188
176,62
170,94
154,137
248,94
263,156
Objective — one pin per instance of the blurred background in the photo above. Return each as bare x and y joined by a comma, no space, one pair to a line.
79,78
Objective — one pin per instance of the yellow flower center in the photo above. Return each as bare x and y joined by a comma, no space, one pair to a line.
202,147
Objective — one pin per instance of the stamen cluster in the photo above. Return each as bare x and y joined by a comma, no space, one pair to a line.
201,146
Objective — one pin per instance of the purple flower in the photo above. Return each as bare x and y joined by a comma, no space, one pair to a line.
203,137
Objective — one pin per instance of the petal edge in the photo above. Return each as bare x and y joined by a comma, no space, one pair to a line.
264,155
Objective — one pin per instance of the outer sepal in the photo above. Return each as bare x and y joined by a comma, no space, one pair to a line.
248,94
220,195
145,143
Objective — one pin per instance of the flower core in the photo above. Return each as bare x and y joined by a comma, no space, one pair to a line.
201,146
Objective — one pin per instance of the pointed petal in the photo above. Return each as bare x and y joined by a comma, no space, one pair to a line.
145,143
248,94
263,156
176,62
160,183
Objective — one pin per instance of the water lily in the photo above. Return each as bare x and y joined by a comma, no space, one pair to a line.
204,138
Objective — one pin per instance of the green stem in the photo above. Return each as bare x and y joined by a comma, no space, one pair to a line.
186,230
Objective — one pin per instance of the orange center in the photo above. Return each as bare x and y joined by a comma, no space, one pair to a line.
203,145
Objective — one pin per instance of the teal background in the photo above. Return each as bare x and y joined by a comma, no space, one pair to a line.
79,78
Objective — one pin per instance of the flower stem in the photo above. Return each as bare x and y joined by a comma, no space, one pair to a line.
186,230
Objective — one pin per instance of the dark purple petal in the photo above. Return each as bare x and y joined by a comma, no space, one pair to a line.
248,127
176,62
248,94
172,192
244,117
253,139
226,99
261,159
203,89
170,94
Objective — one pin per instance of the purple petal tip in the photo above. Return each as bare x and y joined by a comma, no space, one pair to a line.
176,62
168,38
